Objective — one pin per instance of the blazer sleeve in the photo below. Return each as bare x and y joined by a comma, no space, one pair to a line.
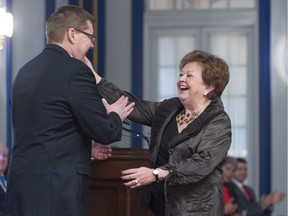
89,111
144,111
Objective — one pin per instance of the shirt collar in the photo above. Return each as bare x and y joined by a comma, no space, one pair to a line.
239,184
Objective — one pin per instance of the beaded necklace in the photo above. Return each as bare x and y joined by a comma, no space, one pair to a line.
186,118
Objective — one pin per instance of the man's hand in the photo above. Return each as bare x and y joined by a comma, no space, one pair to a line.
267,201
120,107
100,152
277,197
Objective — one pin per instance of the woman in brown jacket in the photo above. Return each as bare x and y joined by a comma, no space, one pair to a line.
190,136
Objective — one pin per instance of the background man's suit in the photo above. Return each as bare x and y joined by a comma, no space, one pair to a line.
244,204
56,111
2,199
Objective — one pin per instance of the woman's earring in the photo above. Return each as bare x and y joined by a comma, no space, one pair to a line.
205,98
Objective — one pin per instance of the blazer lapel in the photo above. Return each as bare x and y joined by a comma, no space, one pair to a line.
196,126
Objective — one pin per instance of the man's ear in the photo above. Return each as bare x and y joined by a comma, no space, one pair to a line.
71,35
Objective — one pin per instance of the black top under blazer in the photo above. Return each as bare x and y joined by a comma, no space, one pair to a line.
56,110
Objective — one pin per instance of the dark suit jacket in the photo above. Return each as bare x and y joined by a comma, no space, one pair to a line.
2,200
251,208
56,111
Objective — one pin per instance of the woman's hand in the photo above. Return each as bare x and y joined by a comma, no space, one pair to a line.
89,64
230,207
141,176
100,152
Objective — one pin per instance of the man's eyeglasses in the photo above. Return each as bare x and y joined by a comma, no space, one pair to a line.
92,37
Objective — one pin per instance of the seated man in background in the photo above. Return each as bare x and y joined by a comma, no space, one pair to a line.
3,167
245,195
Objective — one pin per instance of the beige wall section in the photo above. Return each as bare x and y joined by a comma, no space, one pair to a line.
3,96
118,48
29,31
3,86
27,41
118,42
279,99
60,3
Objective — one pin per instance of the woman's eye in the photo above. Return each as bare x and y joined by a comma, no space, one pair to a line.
187,74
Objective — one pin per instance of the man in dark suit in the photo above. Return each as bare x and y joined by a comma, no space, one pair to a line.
57,112
246,203
3,167
244,195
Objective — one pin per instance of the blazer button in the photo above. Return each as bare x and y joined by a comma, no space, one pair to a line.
170,151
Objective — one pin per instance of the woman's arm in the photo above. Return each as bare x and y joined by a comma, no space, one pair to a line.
144,111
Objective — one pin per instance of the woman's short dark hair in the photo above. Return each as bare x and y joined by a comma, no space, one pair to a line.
215,71
64,18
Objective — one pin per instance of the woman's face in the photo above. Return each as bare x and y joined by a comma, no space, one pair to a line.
228,172
190,83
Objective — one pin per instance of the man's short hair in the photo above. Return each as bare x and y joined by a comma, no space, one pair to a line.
241,160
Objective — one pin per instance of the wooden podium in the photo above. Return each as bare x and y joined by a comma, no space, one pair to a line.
108,196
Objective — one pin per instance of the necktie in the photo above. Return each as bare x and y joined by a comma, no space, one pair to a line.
248,193
3,182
